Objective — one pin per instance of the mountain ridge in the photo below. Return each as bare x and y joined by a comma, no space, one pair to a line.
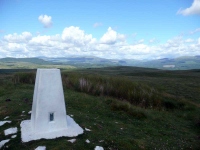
179,63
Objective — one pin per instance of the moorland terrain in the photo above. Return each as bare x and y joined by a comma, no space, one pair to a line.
124,107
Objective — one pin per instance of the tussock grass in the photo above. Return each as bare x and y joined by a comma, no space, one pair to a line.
117,87
21,77
121,88
136,112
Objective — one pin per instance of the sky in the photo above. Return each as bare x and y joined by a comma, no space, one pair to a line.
112,29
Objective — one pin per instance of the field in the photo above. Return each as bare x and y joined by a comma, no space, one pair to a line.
124,107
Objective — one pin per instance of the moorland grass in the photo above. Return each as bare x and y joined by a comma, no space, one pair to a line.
118,87
115,123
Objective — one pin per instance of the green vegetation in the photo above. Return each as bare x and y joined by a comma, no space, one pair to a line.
125,107
116,87
30,63
180,63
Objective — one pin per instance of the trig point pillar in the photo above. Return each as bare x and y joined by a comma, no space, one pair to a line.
48,117
48,109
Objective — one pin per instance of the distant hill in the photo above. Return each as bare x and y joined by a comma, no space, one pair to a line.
29,60
180,63
86,61
30,63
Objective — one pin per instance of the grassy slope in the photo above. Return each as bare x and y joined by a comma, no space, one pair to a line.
173,129
184,84
30,65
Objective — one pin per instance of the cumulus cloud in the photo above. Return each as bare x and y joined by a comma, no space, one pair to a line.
76,36
74,41
111,37
194,9
15,38
45,20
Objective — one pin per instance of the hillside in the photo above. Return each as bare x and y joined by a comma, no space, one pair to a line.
124,107
30,63
180,63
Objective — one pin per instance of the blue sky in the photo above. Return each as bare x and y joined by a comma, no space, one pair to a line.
132,29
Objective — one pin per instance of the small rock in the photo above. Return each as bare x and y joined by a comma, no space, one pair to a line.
6,117
41,148
98,148
4,142
87,141
10,131
86,129
72,140
13,136
3,122
29,112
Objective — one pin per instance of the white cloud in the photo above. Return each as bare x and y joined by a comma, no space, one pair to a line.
45,20
140,41
25,36
199,41
195,31
194,9
74,41
111,37
76,36
189,40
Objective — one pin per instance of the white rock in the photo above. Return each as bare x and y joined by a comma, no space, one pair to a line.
4,142
3,122
72,140
6,117
86,129
41,148
23,111
30,112
10,131
98,148
87,141
13,136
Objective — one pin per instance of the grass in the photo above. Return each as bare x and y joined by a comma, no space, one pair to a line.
115,123
32,65
117,87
